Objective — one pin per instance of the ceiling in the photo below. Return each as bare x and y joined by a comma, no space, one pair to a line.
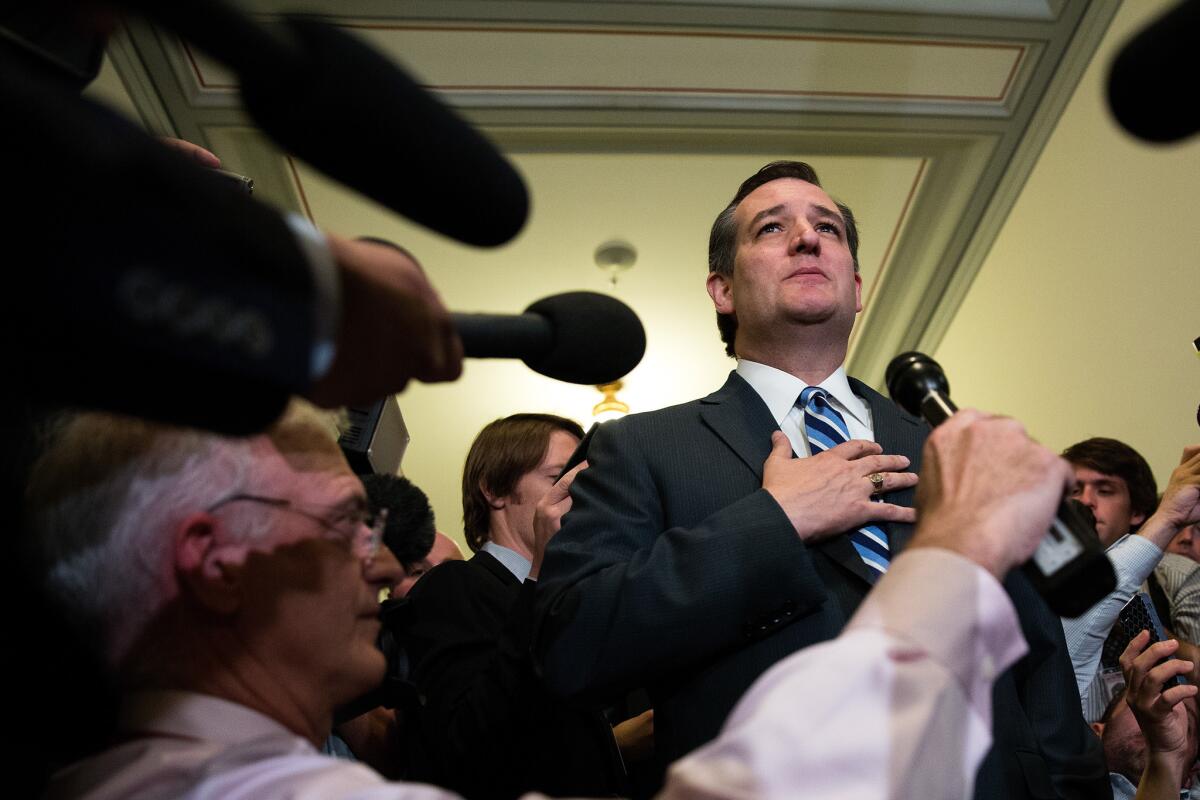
636,121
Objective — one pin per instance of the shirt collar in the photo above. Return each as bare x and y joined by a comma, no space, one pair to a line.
513,561
1117,542
191,715
780,390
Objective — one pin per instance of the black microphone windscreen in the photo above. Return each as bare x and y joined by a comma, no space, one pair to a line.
1151,81
354,115
597,338
911,376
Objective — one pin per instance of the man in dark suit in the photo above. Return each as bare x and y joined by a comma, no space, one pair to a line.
491,728
712,539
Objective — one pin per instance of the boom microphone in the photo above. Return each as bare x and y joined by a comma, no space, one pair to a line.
1069,567
347,110
577,337
1147,85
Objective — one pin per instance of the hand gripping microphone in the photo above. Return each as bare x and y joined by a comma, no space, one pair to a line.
577,337
1069,568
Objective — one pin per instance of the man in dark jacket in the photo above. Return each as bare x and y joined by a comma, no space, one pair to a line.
491,728
710,540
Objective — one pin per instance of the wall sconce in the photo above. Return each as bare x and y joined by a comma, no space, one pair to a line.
610,407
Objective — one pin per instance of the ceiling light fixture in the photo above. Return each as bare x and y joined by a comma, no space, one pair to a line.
614,257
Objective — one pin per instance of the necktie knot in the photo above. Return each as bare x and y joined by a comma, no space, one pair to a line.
814,396
825,427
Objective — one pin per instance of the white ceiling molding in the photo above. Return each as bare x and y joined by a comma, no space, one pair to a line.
607,67
138,83
1002,9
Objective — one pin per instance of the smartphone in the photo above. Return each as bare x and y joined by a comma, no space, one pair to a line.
1138,615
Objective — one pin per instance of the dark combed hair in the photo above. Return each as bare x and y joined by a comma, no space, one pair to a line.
1112,457
504,450
410,525
722,239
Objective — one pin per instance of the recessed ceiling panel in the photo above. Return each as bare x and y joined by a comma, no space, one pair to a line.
578,61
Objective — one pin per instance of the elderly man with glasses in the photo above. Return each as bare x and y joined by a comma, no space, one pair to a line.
231,585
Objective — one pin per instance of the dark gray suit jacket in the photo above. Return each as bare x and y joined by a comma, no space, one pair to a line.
676,571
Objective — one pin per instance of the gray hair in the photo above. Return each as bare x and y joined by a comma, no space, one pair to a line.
104,502
106,499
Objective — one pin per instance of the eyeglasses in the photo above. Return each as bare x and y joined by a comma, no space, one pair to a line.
347,524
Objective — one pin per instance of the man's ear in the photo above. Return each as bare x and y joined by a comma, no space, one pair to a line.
207,570
720,289
1098,728
493,500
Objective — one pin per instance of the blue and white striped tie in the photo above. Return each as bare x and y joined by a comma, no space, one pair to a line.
826,428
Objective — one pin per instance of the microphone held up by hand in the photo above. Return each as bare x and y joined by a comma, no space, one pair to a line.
577,337
1069,568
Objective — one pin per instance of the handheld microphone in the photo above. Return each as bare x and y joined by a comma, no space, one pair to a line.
1069,568
1144,78
577,337
347,110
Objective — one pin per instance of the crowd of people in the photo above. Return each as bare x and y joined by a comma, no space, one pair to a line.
788,588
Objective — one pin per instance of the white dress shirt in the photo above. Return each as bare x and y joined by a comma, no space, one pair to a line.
189,745
1133,558
780,391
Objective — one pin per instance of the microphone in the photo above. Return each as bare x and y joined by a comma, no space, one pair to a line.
577,337
1069,568
347,110
1144,76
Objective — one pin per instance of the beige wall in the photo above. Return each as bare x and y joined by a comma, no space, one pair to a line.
1080,322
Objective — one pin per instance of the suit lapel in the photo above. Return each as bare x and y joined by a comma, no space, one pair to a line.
737,414
491,564
739,417
897,433
840,550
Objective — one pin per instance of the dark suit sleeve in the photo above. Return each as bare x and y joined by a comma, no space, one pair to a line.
147,285
1050,697
1043,748
624,599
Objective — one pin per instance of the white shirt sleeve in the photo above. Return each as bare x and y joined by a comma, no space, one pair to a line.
1133,558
